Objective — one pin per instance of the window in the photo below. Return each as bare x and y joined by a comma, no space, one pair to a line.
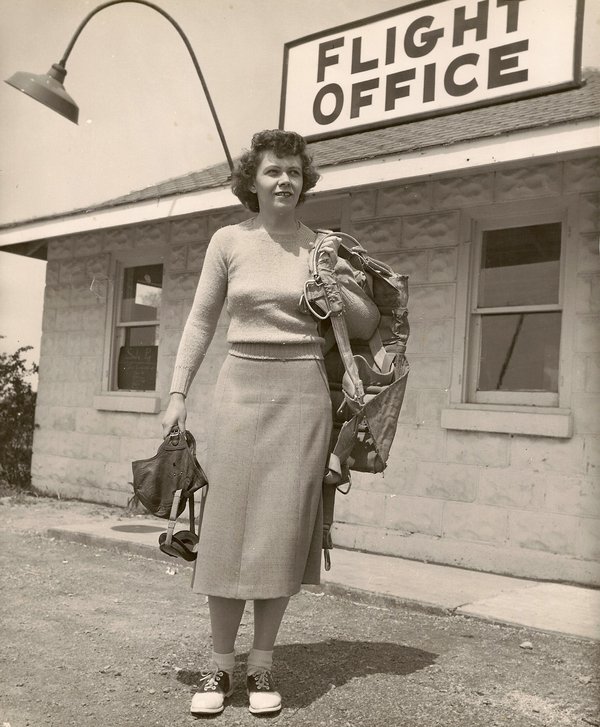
135,343
327,213
516,314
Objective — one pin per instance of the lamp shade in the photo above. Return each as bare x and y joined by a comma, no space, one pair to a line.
47,89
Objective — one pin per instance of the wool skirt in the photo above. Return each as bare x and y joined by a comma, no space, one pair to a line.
270,427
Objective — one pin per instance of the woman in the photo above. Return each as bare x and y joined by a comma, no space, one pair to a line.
271,423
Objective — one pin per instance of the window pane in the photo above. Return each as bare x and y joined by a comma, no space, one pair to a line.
141,336
520,266
136,366
142,288
519,352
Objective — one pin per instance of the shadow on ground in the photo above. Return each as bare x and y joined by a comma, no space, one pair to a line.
305,672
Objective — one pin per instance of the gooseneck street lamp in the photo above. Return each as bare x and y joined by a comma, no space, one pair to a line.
49,90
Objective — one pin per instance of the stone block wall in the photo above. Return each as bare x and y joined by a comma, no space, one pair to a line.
80,451
522,505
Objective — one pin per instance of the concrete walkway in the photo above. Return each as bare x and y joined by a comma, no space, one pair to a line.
384,580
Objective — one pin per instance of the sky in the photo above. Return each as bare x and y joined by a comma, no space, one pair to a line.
143,115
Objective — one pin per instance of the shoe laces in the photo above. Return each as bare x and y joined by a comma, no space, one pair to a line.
210,678
262,679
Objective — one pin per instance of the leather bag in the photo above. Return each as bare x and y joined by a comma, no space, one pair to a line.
165,483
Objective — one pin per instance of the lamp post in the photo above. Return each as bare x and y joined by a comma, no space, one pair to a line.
49,90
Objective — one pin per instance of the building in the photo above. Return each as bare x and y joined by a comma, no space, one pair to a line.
493,212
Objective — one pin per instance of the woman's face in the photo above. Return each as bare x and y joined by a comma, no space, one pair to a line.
278,182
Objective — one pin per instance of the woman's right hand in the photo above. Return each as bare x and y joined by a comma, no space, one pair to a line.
175,415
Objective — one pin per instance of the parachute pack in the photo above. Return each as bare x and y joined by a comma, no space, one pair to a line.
361,306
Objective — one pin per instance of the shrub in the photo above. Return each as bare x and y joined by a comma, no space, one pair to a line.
17,411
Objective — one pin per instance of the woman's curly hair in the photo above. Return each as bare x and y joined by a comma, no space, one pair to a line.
282,144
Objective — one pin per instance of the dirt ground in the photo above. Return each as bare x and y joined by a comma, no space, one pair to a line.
94,638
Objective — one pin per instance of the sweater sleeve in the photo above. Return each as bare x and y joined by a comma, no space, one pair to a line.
203,317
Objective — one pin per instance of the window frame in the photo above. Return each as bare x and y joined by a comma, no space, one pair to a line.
494,216
476,313
119,328
111,398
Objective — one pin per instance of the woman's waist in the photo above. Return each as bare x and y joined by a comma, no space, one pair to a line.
278,351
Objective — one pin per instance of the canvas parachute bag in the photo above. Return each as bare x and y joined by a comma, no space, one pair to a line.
361,304
165,483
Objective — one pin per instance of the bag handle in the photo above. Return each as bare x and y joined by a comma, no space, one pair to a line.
323,269
191,514
173,516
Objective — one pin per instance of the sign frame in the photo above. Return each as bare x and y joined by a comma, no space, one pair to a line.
574,82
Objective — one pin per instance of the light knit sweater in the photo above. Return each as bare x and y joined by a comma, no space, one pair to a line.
262,277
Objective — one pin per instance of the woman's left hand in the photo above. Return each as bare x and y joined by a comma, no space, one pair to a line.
331,245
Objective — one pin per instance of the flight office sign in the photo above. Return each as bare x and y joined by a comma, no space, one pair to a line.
428,58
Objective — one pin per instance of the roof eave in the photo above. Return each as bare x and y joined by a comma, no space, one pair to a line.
546,141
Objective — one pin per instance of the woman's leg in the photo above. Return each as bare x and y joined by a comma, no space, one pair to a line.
268,614
225,617
217,683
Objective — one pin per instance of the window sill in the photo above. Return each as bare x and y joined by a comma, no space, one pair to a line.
119,401
551,422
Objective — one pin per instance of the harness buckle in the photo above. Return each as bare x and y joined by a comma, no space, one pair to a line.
309,296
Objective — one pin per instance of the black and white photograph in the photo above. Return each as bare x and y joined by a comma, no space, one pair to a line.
300,363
